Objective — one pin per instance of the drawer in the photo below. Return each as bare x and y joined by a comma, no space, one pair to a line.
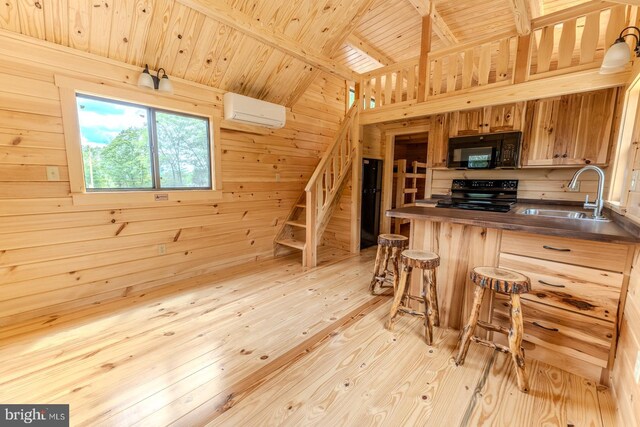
582,290
565,332
605,256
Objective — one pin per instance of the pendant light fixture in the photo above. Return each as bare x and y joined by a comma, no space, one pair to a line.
160,83
618,55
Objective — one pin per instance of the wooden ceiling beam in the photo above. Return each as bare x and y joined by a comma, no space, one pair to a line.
536,8
629,2
369,50
222,12
521,16
442,30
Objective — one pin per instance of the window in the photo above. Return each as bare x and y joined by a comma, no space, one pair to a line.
136,147
352,99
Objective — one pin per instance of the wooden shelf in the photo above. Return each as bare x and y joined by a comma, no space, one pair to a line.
296,224
292,243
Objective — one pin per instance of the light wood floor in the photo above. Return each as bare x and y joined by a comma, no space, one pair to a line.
276,345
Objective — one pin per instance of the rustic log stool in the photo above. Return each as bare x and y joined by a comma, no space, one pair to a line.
427,261
506,282
389,248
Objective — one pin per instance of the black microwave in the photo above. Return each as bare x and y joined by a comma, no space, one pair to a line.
485,151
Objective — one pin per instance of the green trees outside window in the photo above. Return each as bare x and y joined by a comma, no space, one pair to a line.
134,147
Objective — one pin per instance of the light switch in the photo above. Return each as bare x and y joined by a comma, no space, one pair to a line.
53,173
162,249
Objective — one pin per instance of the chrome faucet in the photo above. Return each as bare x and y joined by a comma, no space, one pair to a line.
599,203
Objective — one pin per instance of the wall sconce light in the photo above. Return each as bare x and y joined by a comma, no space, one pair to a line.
618,54
161,83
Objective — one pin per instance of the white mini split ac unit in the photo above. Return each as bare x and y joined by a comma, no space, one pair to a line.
240,108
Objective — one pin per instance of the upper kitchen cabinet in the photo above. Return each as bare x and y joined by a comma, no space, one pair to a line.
498,118
438,141
569,130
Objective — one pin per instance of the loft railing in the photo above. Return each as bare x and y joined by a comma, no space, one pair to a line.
324,185
563,42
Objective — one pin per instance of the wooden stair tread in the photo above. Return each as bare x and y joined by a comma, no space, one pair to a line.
301,205
296,223
292,243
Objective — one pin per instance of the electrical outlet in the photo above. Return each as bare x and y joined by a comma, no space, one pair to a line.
277,176
53,173
636,371
162,249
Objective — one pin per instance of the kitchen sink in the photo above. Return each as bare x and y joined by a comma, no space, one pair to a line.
557,213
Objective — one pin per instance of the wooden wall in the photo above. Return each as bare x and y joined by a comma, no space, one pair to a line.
535,183
539,184
625,388
56,256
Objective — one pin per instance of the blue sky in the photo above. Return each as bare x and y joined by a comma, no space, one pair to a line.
102,121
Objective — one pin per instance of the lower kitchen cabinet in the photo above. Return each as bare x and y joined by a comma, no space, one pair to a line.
571,313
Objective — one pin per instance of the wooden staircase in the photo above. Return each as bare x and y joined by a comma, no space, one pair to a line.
304,226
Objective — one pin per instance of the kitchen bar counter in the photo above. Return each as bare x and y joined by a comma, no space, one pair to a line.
613,232
574,327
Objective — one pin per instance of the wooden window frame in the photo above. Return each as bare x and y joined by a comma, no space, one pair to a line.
70,87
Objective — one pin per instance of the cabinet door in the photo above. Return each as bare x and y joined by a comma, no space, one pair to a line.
589,118
470,122
569,130
540,133
504,118
438,141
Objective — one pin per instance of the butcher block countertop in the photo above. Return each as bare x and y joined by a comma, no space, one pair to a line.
619,230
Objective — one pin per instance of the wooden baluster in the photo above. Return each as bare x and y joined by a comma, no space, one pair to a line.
437,76
616,23
590,37
337,170
367,95
427,82
309,258
567,44
452,74
502,65
484,66
388,87
545,50
467,69
522,65
411,83
399,85
378,91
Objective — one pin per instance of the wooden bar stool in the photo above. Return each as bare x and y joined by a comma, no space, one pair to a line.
506,282
427,261
389,248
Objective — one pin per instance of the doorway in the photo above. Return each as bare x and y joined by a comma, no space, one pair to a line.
371,198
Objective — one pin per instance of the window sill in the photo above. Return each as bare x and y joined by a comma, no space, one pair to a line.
151,198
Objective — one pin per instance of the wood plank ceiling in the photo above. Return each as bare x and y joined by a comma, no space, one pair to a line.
360,35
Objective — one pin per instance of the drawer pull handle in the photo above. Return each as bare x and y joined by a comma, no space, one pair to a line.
542,282
556,249
545,328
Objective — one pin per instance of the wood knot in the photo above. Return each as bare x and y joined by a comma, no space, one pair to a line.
38,5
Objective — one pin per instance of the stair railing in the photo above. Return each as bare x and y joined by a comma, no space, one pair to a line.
324,185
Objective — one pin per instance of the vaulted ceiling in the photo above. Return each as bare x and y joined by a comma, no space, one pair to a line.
268,49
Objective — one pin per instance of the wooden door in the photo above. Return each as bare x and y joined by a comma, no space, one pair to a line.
438,141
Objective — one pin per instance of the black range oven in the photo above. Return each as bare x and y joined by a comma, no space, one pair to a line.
497,195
